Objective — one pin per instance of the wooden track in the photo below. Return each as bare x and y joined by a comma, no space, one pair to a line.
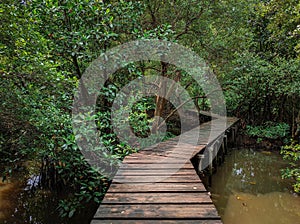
160,185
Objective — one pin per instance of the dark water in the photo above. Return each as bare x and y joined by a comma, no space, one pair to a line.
248,189
20,205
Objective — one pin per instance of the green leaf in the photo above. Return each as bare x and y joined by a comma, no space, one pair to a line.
71,213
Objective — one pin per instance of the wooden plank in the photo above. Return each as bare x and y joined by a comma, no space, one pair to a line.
161,158
170,154
183,149
155,160
134,166
152,157
155,172
158,187
167,156
150,211
133,198
164,179
177,221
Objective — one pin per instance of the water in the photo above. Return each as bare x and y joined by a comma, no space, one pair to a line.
20,205
7,199
248,189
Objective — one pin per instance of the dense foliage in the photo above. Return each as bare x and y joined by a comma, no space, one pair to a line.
292,153
269,130
46,45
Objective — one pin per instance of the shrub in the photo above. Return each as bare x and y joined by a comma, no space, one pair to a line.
269,130
292,153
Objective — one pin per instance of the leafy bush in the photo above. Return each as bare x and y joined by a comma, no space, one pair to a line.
292,154
268,130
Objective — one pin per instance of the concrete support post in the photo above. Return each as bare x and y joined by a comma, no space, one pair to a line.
226,143
223,150
210,165
200,164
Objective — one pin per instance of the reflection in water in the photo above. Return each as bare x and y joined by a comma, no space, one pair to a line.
5,199
248,189
19,205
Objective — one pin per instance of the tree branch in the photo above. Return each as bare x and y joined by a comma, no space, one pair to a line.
181,105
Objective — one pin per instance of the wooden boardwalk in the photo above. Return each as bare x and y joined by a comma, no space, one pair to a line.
160,184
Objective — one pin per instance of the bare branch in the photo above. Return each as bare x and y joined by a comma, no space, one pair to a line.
181,105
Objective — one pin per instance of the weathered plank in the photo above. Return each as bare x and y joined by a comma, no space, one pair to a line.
158,187
150,211
134,166
133,198
155,172
163,179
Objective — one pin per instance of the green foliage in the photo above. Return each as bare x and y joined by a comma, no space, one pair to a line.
292,154
269,130
78,31
276,25
260,90
139,119
263,80
46,45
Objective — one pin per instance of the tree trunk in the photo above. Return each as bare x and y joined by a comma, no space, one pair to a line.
160,101
297,127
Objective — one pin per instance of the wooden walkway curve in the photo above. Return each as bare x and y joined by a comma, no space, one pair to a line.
164,192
